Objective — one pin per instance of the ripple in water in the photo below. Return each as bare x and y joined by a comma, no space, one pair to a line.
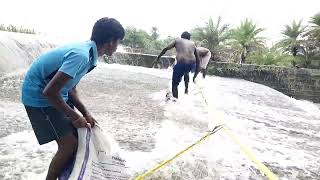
129,103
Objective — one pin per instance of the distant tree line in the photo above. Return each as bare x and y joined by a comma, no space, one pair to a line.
140,41
18,29
299,47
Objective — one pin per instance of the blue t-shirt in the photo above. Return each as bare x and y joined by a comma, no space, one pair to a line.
74,59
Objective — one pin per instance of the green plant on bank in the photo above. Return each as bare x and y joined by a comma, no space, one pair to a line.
314,31
300,46
293,42
313,41
273,57
140,41
302,41
135,38
245,39
212,36
12,28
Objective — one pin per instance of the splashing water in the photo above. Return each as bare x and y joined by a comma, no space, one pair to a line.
129,103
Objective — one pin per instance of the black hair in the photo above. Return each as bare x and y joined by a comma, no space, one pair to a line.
186,35
106,30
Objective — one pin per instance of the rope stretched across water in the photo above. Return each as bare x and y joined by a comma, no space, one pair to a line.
263,169
163,163
259,165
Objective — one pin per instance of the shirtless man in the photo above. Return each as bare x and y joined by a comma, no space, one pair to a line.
187,60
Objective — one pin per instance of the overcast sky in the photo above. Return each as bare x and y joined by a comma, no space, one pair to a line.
73,19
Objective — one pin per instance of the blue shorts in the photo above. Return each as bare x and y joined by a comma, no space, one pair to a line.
179,70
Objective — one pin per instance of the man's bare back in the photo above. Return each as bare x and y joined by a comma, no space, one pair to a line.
185,51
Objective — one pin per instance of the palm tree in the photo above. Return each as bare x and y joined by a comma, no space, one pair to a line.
292,41
245,38
313,34
315,28
212,34
312,42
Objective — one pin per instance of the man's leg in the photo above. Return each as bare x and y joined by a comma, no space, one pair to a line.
186,82
67,146
204,67
204,72
175,91
178,72
49,124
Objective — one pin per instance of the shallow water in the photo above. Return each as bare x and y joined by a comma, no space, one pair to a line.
129,102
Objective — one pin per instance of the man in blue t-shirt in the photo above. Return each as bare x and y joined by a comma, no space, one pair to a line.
49,90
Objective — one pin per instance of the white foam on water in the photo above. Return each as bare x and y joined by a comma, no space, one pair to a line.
26,159
282,132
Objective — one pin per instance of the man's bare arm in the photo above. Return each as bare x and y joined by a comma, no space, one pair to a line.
170,46
73,95
197,65
52,92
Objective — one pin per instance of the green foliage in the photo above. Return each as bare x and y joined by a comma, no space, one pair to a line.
313,36
300,45
154,33
12,28
294,30
292,42
246,34
245,38
302,41
315,28
212,34
142,42
272,57
135,38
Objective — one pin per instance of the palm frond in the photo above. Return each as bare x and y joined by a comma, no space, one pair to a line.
212,34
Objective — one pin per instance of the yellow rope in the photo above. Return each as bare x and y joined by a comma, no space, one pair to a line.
263,169
141,177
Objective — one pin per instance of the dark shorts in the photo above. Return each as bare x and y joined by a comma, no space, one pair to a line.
49,124
179,70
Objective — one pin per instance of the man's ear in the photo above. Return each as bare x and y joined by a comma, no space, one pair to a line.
108,45
113,42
